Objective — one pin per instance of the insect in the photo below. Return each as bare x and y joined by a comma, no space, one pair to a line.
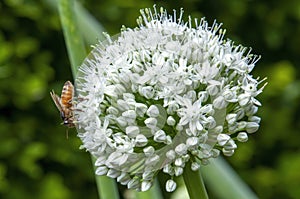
64,104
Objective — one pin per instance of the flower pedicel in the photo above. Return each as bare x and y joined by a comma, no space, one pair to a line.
163,94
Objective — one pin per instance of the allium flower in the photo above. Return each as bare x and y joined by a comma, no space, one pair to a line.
165,93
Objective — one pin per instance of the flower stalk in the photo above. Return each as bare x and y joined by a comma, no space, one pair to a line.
194,183
107,187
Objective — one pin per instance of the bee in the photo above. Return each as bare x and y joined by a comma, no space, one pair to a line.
64,103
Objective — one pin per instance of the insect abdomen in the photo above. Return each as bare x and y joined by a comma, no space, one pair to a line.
67,94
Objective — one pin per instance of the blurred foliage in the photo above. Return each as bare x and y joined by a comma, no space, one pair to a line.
36,159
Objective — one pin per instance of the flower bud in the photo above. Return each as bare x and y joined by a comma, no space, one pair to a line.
195,166
223,139
242,137
132,131
192,142
219,102
124,178
252,127
147,92
153,111
229,96
150,122
231,118
179,162
159,136
230,145
178,171
228,152
181,149
112,173
130,115
112,110
148,151
171,154
141,140
171,121
140,109
168,169
212,89
254,119
251,110
133,183
244,99
101,170
122,121
170,185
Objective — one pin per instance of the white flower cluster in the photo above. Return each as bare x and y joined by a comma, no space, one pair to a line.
163,94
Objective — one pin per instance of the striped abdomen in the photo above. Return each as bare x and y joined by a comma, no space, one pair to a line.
67,94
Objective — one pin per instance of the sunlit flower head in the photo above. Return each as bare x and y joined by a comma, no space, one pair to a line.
163,94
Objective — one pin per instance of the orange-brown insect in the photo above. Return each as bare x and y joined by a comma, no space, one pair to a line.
64,104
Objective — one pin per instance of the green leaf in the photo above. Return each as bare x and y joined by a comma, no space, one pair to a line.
224,182
73,37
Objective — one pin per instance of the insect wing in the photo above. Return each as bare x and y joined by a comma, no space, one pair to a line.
56,100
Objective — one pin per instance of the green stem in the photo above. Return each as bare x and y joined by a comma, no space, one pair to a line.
107,187
194,183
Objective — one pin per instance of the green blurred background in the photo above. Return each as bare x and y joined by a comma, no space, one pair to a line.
36,159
